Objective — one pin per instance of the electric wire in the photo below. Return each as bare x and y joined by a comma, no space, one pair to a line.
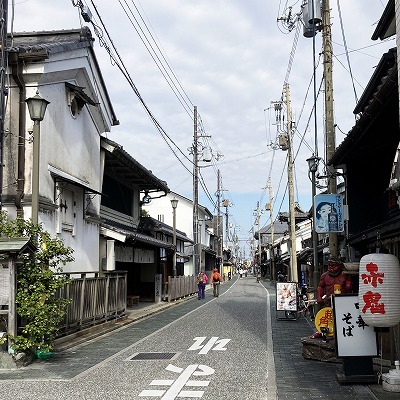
158,126
153,53
165,58
347,52
120,64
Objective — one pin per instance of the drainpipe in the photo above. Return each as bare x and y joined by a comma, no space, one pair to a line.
16,70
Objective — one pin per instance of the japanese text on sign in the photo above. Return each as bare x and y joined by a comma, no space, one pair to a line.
354,337
372,297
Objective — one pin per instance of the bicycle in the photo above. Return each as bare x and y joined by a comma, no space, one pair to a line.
304,306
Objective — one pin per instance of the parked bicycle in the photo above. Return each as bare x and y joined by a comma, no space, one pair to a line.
304,306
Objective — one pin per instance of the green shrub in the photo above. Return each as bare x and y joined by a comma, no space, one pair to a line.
38,281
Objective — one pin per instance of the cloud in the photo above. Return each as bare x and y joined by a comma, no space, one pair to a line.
231,59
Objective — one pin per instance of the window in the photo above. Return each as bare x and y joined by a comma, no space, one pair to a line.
77,98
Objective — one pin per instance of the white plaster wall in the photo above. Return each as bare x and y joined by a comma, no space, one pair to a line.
70,144
184,219
184,212
397,10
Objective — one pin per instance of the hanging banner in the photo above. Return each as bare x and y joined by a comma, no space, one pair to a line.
328,213
142,256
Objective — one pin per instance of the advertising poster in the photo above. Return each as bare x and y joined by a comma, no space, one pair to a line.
328,213
286,296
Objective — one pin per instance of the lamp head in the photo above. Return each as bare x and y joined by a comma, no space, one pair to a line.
36,107
313,162
174,203
146,198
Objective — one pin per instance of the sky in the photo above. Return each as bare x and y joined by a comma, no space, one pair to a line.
230,60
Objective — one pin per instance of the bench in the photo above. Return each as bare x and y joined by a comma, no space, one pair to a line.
132,300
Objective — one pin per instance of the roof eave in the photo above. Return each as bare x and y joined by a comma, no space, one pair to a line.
387,23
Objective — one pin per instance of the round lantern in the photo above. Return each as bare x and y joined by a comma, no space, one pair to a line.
379,284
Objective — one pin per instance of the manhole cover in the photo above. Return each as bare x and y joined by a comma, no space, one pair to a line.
152,356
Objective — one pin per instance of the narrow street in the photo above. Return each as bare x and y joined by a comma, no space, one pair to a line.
229,347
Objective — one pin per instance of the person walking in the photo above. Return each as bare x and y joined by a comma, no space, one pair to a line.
201,284
215,280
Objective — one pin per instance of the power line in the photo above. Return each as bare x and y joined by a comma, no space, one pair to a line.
116,58
151,49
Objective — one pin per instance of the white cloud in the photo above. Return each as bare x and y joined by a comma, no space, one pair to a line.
231,58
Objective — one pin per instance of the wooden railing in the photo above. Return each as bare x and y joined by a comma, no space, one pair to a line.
97,299
180,286
94,300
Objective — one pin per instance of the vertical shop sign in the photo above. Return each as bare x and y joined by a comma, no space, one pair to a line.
354,338
157,288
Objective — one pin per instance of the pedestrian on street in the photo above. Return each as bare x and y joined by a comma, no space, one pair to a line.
281,277
201,284
215,281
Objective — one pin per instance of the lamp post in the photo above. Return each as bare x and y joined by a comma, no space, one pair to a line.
313,167
37,108
174,203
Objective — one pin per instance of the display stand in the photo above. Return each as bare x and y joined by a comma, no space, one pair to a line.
357,370
356,342
286,301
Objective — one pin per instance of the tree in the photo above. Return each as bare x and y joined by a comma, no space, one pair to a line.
144,213
38,282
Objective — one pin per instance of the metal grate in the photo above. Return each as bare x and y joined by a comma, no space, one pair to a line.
152,356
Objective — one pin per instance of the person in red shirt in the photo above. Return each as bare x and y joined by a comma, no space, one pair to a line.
201,284
215,280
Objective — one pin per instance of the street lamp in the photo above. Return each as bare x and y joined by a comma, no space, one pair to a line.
313,162
37,108
174,203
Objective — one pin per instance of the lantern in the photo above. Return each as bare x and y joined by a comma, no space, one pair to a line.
379,284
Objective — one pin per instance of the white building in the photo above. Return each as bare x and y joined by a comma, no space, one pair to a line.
161,209
62,68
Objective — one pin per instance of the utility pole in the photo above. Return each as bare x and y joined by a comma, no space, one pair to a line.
226,205
207,158
235,244
293,256
195,197
271,222
329,119
316,272
219,222
259,235
3,90
252,245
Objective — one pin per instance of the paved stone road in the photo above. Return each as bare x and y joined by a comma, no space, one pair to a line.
295,377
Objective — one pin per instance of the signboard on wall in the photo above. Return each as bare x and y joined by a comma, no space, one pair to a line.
4,284
354,338
328,213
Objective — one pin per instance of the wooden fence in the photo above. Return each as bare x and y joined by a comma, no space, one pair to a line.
97,299
180,286
94,300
